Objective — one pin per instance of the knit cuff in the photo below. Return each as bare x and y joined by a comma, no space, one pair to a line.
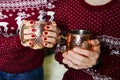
98,63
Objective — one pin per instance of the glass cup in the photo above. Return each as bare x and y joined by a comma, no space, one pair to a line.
37,41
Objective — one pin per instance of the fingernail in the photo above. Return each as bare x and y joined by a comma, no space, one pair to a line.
32,35
34,30
30,43
45,33
31,22
45,44
47,27
45,38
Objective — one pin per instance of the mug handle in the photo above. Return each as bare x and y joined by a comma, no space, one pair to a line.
61,45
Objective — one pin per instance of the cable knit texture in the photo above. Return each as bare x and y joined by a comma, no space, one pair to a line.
104,22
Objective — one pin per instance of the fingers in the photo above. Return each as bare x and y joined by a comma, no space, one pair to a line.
48,45
52,28
30,31
91,55
82,51
72,62
27,43
95,42
65,55
50,34
79,58
76,58
49,39
29,36
87,53
29,22
96,45
81,66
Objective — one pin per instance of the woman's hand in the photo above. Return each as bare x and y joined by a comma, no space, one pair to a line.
78,58
48,37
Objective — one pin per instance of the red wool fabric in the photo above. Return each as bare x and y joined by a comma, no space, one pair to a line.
15,58
104,22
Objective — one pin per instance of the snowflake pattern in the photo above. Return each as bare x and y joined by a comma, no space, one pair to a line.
22,6
112,43
25,4
95,75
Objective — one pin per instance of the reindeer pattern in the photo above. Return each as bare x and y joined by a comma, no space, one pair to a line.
48,13
21,15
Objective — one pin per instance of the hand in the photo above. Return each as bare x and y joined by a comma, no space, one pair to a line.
78,58
48,37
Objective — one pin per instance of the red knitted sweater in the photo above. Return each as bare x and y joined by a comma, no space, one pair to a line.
104,21
14,58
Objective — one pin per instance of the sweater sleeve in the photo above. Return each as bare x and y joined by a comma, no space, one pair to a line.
110,64
60,19
59,57
109,67
10,44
